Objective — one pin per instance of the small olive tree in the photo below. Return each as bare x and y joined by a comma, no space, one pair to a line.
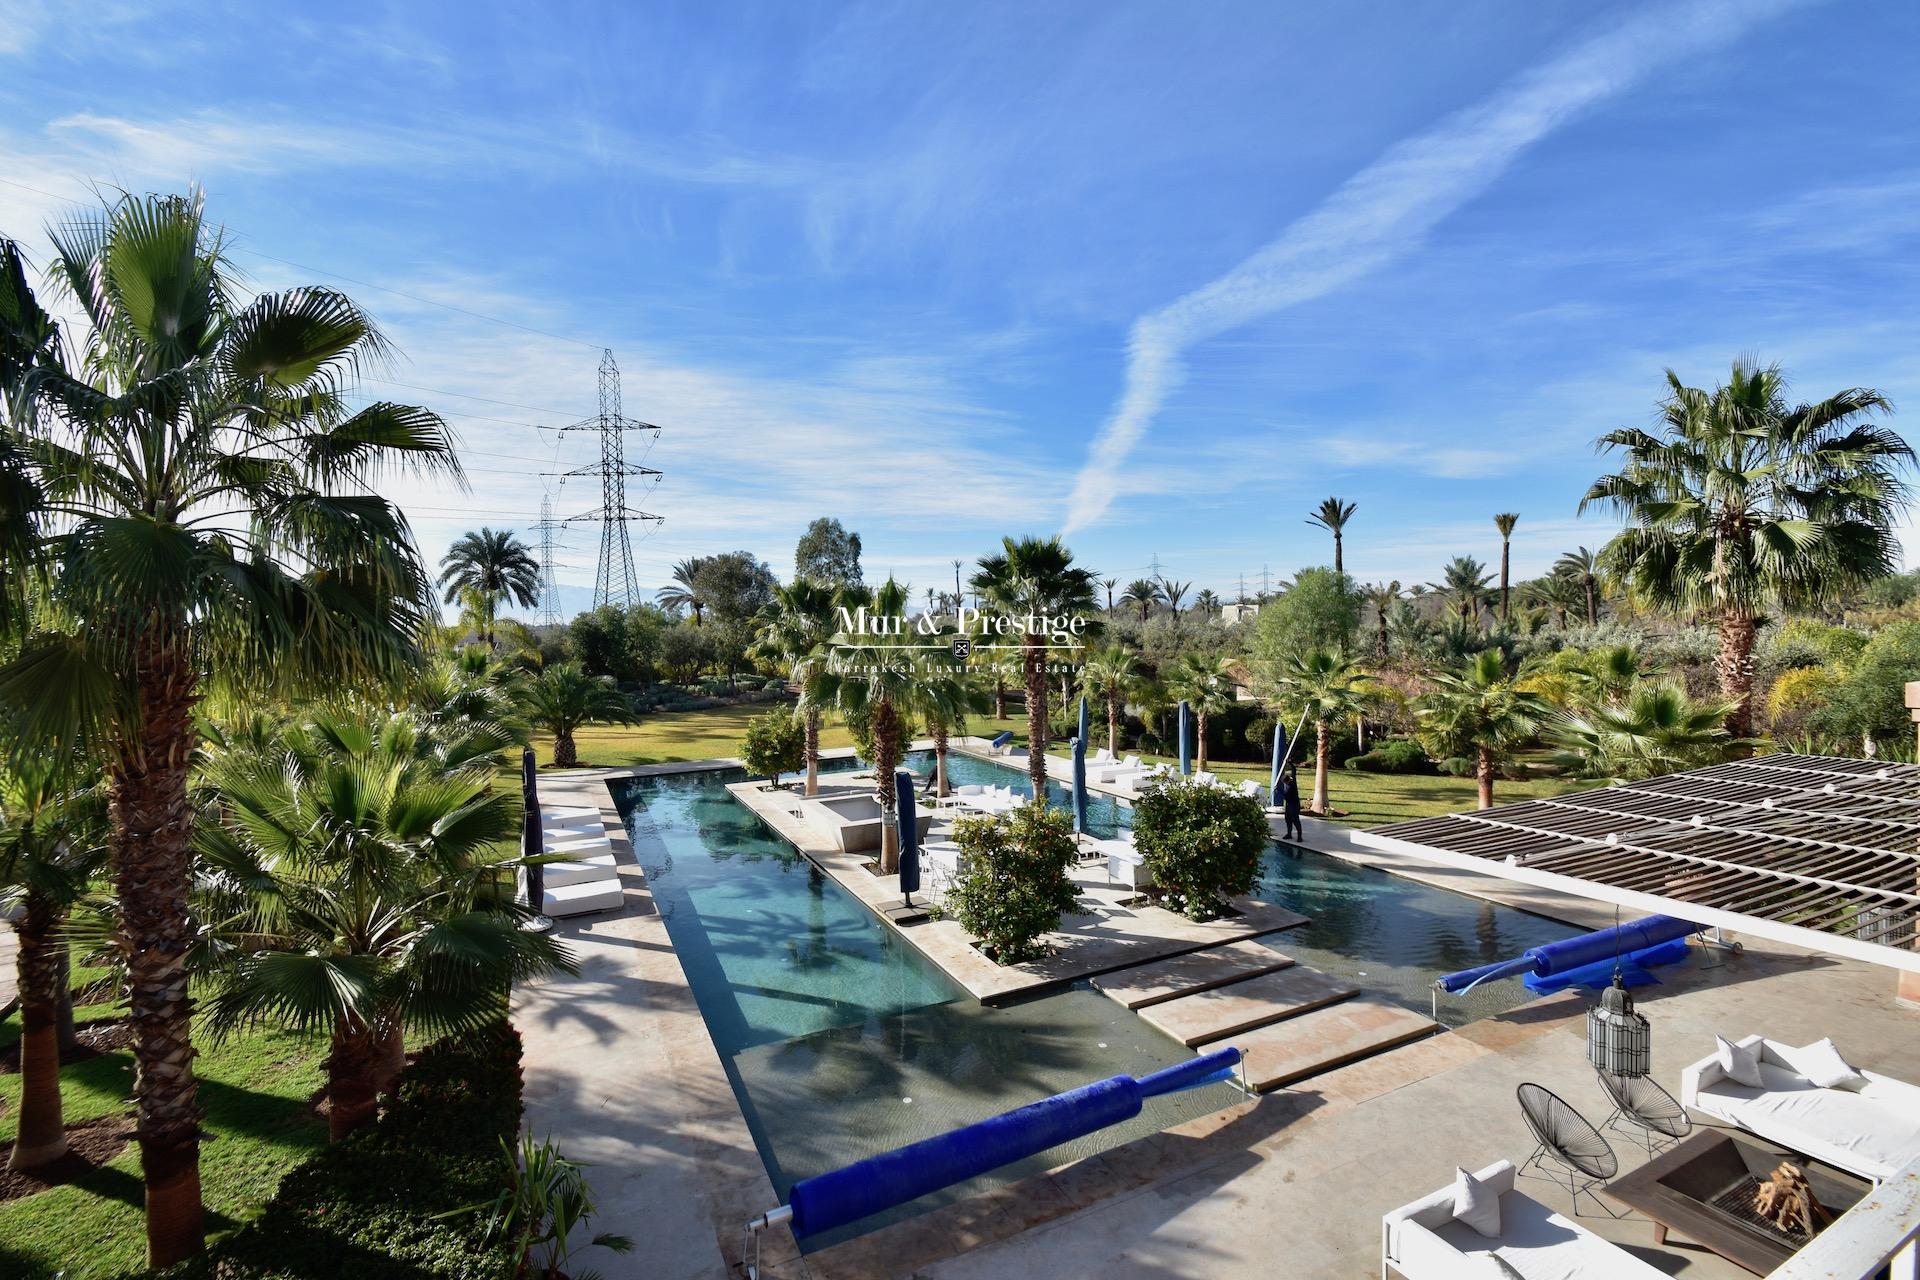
1013,885
1201,843
775,744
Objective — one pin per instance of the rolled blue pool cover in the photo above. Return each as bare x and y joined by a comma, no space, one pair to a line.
830,1200
1550,958
1633,967
1002,738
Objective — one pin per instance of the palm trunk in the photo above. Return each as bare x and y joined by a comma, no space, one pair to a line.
390,1057
1593,604
1483,773
153,863
999,697
1506,549
42,1136
811,735
352,1080
938,729
1113,726
1734,666
1339,562
1322,758
565,756
1200,731
886,759
1380,636
63,1028
1033,658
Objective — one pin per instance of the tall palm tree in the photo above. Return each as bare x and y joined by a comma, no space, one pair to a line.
1033,578
564,697
1479,709
1467,583
1207,603
1559,591
1505,522
1109,675
1583,567
1174,594
1143,592
1382,596
795,627
1206,685
1109,584
682,593
494,565
350,891
212,516
943,700
1329,689
52,840
1739,498
879,688
1332,515
1654,728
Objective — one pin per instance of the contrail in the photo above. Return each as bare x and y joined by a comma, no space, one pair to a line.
1384,210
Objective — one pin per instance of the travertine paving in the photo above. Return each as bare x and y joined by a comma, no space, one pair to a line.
1222,1013
1317,1041
1149,984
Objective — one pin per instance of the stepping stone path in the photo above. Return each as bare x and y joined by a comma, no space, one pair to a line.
1290,1021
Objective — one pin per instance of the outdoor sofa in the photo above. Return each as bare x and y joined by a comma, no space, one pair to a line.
1871,1129
1423,1241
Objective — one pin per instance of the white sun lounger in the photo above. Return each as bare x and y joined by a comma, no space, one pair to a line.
1112,772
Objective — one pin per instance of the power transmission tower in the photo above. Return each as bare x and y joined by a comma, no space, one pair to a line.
614,583
549,585
1266,582
1243,589
1154,566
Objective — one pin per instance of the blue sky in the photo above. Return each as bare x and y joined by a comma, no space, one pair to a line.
1162,276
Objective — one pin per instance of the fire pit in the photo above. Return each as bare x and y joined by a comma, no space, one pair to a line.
1745,1199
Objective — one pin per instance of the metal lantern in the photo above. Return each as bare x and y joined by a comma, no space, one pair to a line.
1619,1041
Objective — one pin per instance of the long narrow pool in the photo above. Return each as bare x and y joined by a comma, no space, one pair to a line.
842,1040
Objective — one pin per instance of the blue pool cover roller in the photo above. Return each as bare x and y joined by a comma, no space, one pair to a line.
1186,761
868,1186
1551,959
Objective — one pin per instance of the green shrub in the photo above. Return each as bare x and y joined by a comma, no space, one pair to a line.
1457,767
775,744
1397,755
1013,885
371,1207
1201,843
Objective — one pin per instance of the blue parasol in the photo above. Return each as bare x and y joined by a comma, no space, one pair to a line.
909,821
1186,764
1083,719
1080,782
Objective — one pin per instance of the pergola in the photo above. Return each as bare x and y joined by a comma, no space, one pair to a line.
1819,852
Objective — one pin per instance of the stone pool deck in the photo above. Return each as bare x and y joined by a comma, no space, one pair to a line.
621,1073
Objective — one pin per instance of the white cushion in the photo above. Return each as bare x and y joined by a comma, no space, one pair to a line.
1822,1065
580,899
1476,1204
1740,1062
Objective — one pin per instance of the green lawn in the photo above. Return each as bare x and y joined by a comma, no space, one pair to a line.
254,1089
1368,798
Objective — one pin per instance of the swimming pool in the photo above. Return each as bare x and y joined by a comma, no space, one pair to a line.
839,1038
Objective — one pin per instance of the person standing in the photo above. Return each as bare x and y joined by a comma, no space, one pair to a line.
1290,805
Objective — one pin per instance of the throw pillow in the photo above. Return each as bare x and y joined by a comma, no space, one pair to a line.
1476,1204
1741,1063
1823,1066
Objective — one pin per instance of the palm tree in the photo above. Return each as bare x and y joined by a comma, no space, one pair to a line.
1654,728
1559,591
880,690
1466,582
1032,578
1332,515
1109,675
1738,499
564,697
494,566
1479,709
1584,567
52,840
681,593
1382,596
1144,592
211,516
1109,584
944,699
1328,688
351,891
1206,685
1505,522
1207,603
1174,593
794,629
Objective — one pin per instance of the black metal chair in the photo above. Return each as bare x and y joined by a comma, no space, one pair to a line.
1637,1100
1573,1143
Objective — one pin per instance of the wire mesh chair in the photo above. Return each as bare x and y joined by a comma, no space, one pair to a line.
1638,1101
1566,1136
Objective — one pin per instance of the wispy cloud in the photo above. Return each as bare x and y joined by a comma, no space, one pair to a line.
1384,210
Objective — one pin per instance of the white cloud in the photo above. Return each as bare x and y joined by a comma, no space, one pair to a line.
1384,210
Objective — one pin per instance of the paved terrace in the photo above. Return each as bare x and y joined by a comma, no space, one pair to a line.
621,1072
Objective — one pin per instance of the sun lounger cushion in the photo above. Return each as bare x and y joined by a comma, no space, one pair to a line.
583,898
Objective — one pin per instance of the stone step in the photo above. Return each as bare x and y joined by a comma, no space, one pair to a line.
1180,975
1219,1012
1284,1052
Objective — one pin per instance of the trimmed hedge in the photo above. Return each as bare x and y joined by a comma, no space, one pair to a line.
367,1208
1396,755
